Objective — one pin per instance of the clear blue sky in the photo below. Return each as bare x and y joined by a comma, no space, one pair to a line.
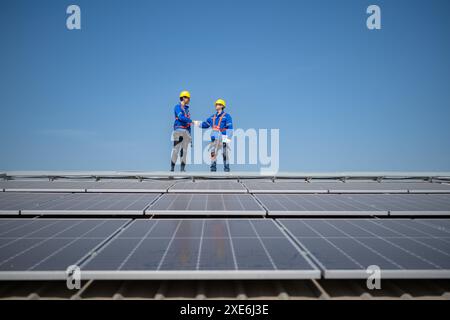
343,97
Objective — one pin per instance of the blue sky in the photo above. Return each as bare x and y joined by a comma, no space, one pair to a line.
343,97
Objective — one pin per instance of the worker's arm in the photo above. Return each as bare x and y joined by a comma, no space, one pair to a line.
229,126
181,115
206,124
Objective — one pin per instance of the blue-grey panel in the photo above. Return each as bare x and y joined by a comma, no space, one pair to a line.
206,204
33,246
321,204
345,248
146,186
200,248
356,204
12,203
44,186
209,186
94,203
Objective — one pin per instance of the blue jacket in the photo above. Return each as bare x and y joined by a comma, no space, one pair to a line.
182,118
225,127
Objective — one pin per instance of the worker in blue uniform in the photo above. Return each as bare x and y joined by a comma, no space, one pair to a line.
181,135
222,132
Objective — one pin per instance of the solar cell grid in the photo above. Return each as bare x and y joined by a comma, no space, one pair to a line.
209,186
43,186
12,203
356,204
218,248
330,204
206,204
90,203
345,248
36,248
146,186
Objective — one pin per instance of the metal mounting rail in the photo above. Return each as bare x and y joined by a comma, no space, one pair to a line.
143,175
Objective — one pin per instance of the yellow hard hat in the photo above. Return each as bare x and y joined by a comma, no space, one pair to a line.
222,102
185,94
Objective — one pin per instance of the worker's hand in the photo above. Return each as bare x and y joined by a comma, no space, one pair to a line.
226,140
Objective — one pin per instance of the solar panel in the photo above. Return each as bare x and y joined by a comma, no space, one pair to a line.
43,186
206,204
356,204
345,248
388,187
200,249
35,249
286,187
430,188
442,224
418,204
296,186
130,186
12,203
93,203
320,204
210,186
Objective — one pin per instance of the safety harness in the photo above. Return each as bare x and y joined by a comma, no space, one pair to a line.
217,127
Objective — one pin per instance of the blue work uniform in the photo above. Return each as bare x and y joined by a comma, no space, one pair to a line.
181,135
222,125
182,118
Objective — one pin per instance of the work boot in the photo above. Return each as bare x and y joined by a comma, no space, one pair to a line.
213,167
183,167
172,166
226,167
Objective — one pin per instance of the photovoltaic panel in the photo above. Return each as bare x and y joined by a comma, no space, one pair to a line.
356,204
145,186
12,203
441,224
400,248
417,204
387,187
209,186
43,186
255,186
206,204
299,186
94,203
200,249
43,249
320,204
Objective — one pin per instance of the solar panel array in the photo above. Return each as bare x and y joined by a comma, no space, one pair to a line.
148,186
244,230
200,249
344,187
206,204
209,186
45,248
356,204
346,248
